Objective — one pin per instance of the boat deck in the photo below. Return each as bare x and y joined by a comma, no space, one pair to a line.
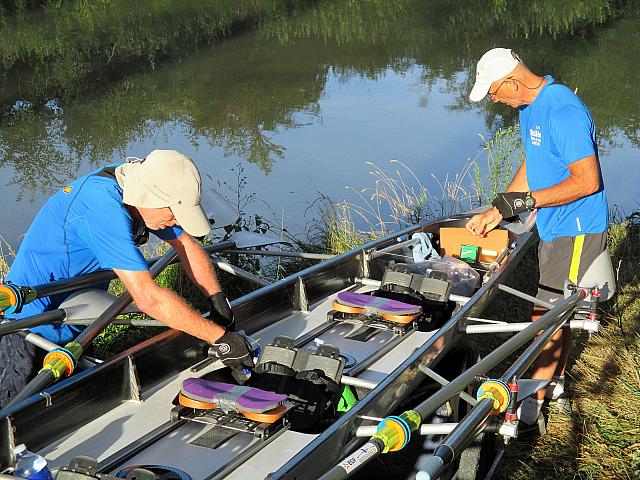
376,355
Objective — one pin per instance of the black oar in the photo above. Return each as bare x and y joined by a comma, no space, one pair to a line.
60,363
12,295
83,306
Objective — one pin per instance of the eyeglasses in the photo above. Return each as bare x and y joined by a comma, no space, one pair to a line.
492,95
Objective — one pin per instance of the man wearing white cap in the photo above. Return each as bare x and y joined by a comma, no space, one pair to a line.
560,176
97,222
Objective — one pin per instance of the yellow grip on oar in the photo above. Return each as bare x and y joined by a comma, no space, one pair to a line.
395,432
7,298
62,361
498,392
14,297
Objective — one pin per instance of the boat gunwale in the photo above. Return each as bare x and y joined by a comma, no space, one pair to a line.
352,259
344,427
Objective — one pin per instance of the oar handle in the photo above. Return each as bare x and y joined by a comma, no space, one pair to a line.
101,276
14,297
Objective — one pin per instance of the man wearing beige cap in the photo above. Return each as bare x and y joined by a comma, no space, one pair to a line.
97,222
560,176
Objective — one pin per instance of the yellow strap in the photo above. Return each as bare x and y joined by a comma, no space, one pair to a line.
575,258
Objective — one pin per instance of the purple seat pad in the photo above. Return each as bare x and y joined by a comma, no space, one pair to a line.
377,304
229,397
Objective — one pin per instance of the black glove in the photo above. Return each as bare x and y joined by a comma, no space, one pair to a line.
510,204
233,350
221,312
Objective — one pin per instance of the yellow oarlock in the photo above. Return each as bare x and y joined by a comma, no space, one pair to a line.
395,432
62,361
498,392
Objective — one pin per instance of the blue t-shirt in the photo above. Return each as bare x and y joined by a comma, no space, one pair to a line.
557,130
83,228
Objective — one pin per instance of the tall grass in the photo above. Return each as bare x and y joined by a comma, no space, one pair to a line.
398,197
7,254
503,152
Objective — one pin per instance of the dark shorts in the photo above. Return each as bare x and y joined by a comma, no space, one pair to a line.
566,258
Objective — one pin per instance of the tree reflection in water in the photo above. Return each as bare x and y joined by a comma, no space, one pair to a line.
239,93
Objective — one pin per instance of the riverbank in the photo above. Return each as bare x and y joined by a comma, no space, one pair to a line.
598,436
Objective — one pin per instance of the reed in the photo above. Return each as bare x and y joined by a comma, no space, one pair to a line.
7,254
398,197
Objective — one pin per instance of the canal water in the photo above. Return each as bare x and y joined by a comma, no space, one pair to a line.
307,105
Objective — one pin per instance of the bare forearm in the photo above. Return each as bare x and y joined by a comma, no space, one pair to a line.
584,179
197,264
173,311
564,192
519,182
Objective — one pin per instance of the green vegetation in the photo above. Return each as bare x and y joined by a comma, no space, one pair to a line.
504,152
599,438
65,47
6,256
398,198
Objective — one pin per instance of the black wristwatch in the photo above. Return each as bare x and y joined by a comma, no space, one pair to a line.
529,201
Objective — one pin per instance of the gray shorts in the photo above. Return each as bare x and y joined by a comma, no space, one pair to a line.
16,365
566,258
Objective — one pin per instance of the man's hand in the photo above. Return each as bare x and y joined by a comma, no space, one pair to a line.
510,204
233,350
220,311
483,223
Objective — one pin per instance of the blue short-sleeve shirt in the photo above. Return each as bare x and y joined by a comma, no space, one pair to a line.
557,130
82,228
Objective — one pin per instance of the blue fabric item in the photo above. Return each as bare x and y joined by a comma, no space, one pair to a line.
557,130
83,228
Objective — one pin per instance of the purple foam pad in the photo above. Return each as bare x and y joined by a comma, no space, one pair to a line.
229,397
377,304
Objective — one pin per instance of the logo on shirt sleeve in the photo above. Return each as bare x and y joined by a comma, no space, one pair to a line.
67,189
536,136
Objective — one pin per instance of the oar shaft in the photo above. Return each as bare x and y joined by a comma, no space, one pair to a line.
39,383
101,276
134,322
52,316
47,376
464,433
92,331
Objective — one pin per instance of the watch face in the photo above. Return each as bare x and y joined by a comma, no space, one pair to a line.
530,202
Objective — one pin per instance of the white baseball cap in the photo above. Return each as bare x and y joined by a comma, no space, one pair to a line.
166,178
495,64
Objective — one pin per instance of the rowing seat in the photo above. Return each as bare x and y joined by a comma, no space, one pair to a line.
391,310
252,403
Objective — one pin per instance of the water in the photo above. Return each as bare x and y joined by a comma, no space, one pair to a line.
300,106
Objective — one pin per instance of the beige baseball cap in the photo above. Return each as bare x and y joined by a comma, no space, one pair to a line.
495,64
166,178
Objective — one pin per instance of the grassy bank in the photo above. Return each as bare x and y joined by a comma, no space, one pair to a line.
598,438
